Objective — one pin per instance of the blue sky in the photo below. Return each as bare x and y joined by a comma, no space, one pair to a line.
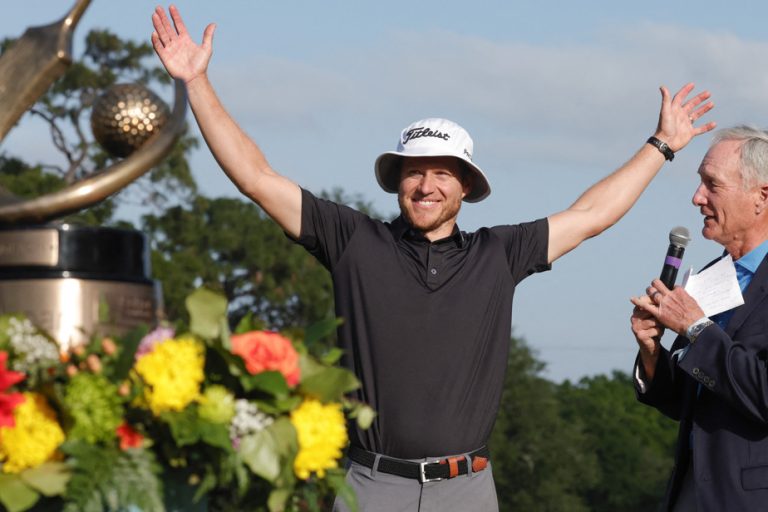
555,95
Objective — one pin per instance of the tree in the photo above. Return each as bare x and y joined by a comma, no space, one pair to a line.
232,246
540,461
634,444
65,108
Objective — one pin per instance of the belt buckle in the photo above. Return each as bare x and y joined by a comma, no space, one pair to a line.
422,474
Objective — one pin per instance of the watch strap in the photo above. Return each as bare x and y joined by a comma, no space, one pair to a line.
697,327
663,147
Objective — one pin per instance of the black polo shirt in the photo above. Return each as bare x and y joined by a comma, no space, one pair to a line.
426,324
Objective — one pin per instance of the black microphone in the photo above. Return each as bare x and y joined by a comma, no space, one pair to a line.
678,240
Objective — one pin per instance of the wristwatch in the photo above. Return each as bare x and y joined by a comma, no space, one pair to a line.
663,147
696,327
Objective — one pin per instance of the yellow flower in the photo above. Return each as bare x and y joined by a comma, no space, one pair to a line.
35,437
173,372
322,435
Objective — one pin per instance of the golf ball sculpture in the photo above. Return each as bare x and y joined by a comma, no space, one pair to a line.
125,116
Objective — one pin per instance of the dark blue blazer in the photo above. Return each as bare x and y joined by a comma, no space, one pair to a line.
719,391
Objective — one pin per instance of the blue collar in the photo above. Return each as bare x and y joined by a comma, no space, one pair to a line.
753,258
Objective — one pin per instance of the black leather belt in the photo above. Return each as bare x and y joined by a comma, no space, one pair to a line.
442,469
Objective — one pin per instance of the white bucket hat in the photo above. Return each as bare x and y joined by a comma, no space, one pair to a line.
432,137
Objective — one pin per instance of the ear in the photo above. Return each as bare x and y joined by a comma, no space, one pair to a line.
467,179
761,200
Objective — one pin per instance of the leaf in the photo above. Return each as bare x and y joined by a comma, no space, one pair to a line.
272,383
15,495
332,356
261,453
365,416
129,344
215,434
330,384
49,478
320,330
184,427
206,309
309,366
278,499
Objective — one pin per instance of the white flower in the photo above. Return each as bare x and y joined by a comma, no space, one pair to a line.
31,349
248,420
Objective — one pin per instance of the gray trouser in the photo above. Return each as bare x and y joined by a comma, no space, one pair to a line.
382,492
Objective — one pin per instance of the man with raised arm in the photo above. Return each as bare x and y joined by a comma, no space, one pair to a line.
427,307
713,380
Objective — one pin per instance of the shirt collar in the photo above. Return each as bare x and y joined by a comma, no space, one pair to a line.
401,229
753,258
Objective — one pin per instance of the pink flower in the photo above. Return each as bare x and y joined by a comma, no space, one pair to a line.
152,338
268,351
8,401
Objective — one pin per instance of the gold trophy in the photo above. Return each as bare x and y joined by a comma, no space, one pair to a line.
77,281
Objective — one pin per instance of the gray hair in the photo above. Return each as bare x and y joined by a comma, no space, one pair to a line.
754,152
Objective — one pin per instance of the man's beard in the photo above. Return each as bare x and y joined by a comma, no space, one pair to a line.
451,211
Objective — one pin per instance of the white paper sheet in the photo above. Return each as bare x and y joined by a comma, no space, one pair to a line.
716,289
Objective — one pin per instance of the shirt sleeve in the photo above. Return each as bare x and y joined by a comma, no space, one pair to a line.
526,246
326,228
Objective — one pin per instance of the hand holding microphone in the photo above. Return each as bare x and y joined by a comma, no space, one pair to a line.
678,240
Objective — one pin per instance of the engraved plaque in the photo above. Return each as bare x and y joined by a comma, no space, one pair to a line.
29,248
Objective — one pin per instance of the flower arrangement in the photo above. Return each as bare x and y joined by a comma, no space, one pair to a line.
205,420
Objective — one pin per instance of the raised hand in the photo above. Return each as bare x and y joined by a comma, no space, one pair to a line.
677,117
182,57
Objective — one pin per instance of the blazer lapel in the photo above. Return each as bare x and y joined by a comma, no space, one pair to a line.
753,295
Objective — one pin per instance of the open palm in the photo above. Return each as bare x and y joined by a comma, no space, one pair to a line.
182,57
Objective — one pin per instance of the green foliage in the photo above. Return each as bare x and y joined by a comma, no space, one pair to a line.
539,460
232,247
633,443
106,479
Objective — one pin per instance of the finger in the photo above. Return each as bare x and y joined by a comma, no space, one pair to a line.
705,128
644,303
702,110
682,93
697,100
156,42
665,98
208,35
660,286
157,23
177,21
169,33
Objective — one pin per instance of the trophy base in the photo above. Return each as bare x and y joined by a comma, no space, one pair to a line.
74,310
76,282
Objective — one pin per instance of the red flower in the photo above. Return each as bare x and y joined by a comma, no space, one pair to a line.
268,351
8,401
129,437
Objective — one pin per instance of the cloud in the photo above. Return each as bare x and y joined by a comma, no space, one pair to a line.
601,93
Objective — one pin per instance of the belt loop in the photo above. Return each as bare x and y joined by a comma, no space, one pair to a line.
470,470
375,466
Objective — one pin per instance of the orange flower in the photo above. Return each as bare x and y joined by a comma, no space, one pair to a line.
129,437
268,351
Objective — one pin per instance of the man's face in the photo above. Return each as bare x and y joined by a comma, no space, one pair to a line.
430,194
728,209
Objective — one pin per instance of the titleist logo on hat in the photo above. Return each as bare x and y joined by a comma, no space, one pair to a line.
422,131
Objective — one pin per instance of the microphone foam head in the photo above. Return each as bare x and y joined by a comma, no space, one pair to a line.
679,236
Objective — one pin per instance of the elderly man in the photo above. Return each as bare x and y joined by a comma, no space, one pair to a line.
714,378
427,307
